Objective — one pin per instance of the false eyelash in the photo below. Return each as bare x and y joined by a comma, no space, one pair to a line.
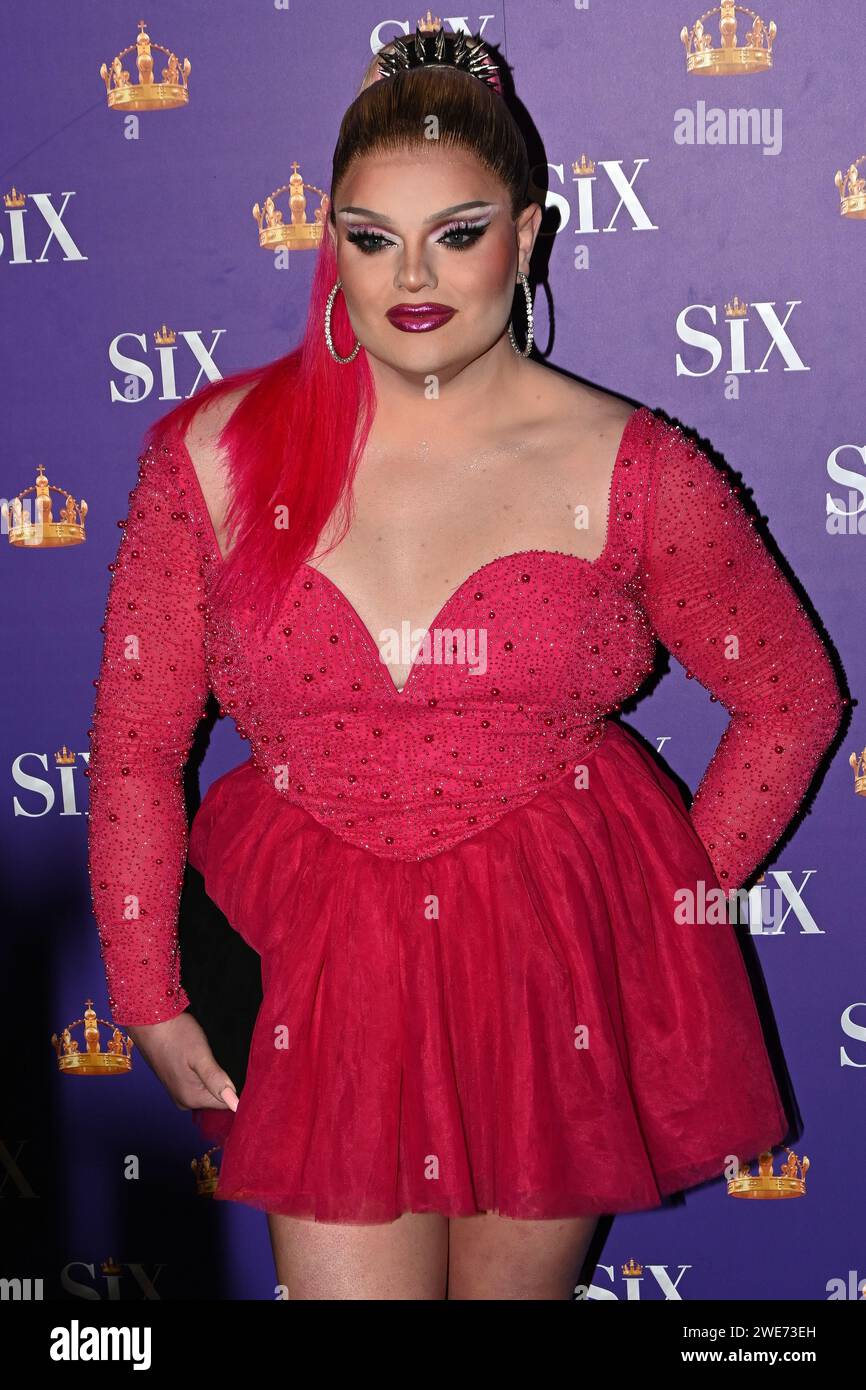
474,230
363,236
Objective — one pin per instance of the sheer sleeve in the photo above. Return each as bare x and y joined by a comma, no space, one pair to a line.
151,691
719,603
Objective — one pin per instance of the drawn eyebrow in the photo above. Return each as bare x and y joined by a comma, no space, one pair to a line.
435,217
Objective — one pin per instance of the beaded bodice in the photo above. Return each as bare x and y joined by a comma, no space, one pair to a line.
505,695
508,693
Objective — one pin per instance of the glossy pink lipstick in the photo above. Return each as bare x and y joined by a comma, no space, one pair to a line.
419,318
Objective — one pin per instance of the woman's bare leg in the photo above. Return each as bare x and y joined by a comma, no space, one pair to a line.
495,1257
403,1259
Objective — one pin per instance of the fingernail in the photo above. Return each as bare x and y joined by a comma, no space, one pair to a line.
230,1097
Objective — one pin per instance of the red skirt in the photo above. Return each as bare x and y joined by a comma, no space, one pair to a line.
516,1025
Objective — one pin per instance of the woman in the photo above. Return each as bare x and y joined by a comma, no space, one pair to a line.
487,1015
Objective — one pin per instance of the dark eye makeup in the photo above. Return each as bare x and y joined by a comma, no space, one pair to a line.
370,241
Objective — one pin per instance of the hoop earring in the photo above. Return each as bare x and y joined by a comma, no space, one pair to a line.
524,352
328,339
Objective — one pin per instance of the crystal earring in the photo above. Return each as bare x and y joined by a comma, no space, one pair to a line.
524,352
328,339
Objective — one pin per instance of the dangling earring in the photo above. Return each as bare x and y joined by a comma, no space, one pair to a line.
328,339
528,293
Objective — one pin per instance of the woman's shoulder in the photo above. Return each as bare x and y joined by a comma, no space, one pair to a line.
207,422
590,407
653,435
587,418
200,434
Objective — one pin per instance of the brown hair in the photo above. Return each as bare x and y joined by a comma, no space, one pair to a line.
393,113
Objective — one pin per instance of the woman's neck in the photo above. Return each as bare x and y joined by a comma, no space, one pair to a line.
459,404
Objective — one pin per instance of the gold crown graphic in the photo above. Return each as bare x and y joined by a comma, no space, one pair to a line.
632,1270
858,763
586,166
14,199
765,1185
110,1266
42,531
298,234
164,337
754,54
206,1173
65,758
852,190
145,94
117,1056
737,308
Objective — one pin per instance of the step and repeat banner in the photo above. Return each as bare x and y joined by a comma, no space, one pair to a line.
703,180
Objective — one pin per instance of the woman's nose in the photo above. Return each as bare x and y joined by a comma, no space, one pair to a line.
414,271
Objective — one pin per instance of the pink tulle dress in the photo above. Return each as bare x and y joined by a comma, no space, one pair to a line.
483,987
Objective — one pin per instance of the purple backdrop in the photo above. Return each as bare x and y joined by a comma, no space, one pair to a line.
153,226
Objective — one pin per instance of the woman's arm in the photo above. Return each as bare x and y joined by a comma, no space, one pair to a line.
720,604
151,692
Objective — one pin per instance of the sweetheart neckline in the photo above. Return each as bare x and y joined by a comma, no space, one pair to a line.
366,634
398,691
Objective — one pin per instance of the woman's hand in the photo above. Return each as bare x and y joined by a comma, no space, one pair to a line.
178,1051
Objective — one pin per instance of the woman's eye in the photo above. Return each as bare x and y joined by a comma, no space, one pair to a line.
368,242
470,230
456,238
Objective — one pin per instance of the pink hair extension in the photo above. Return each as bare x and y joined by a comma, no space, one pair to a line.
290,442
